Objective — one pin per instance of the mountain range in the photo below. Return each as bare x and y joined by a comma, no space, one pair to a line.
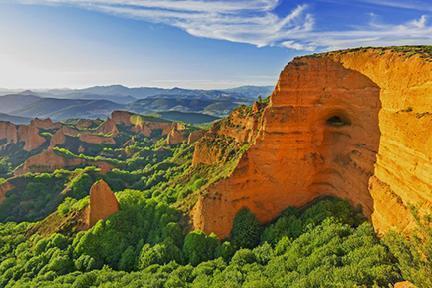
100,101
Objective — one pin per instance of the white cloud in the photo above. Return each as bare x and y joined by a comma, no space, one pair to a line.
256,22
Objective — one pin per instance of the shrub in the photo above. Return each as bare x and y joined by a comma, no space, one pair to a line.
199,247
246,231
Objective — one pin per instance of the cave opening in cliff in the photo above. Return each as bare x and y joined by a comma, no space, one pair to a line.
338,121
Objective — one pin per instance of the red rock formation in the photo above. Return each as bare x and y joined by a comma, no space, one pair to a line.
103,203
44,124
8,132
177,134
108,127
140,125
194,136
49,160
95,139
58,138
4,188
351,124
122,117
30,136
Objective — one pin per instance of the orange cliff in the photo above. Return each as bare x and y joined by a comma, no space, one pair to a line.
240,127
103,203
27,134
353,124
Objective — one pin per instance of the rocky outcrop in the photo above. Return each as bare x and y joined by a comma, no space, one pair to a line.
177,135
352,124
8,132
122,117
28,134
103,203
141,124
58,138
241,126
213,149
96,139
49,160
194,136
108,127
88,137
44,124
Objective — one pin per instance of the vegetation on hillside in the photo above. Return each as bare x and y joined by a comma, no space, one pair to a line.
144,245
148,243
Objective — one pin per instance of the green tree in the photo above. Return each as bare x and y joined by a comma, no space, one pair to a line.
127,259
246,231
199,247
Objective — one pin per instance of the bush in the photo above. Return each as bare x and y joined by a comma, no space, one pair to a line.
199,247
246,231
161,253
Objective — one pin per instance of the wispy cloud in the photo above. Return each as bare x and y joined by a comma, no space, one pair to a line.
414,32
256,22
419,5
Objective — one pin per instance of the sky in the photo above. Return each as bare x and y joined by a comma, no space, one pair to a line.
189,43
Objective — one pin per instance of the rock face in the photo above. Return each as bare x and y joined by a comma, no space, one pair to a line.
28,134
49,160
108,127
95,139
177,134
8,132
103,203
44,124
352,124
194,136
140,124
241,126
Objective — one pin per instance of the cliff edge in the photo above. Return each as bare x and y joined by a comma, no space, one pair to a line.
353,124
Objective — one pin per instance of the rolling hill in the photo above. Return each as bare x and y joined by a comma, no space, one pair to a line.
59,109
14,119
12,102
187,117
100,101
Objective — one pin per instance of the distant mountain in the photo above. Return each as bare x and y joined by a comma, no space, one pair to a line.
99,101
252,91
60,109
122,94
187,117
12,102
116,93
89,96
14,119
164,103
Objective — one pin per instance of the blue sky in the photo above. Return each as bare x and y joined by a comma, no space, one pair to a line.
189,43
